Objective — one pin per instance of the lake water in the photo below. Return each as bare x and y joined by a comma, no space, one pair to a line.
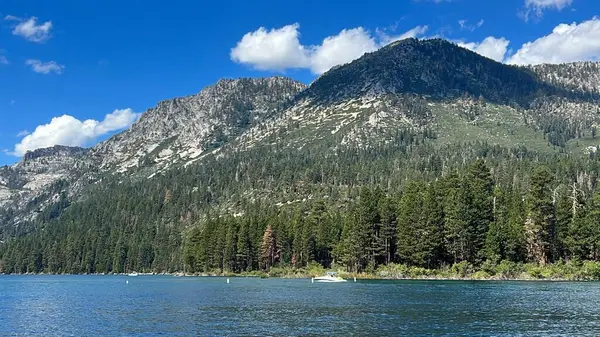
171,306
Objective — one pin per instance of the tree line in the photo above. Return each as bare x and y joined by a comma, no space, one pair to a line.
359,209
463,216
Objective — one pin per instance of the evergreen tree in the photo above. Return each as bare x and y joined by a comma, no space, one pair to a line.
457,216
268,249
539,226
388,229
411,224
480,209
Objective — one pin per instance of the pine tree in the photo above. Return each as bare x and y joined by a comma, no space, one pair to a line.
367,217
348,251
456,221
268,249
244,247
539,226
411,221
433,235
230,255
480,209
583,240
388,229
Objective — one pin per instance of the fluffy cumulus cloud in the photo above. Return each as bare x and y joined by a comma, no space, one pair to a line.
276,49
348,45
70,131
45,67
280,49
491,47
536,7
567,43
30,29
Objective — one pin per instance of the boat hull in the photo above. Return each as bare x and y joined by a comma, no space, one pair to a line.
329,280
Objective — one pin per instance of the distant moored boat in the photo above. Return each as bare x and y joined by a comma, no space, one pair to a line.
330,277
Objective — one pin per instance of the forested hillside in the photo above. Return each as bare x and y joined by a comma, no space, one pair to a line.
356,210
422,153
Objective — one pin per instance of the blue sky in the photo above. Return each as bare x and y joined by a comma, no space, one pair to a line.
75,72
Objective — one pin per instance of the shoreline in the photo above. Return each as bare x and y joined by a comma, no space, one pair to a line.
349,277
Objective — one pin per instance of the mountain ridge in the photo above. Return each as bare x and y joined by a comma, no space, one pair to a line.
432,88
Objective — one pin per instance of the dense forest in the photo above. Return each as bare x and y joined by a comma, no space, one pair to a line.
359,209
385,161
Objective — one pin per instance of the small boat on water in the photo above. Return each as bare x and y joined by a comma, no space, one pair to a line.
132,274
330,277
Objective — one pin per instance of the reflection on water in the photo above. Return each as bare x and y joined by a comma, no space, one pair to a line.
162,305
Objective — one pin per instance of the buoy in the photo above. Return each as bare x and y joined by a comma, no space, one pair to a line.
312,280
354,278
127,282
227,281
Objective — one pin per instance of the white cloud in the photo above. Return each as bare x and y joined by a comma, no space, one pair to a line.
418,31
277,49
491,47
23,133
566,43
30,29
68,130
280,49
345,47
45,67
536,7
464,25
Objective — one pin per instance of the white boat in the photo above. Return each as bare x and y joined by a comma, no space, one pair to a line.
330,277
132,274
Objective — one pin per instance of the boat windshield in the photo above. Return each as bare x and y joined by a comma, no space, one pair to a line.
331,273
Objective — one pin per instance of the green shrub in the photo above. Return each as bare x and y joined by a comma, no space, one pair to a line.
481,275
394,270
315,269
508,269
462,269
278,272
591,270
535,272
489,267
370,269
418,272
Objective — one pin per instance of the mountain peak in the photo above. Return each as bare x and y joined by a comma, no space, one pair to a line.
434,68
56,150
185,127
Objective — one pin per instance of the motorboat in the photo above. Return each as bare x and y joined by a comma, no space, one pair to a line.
330,277
132,274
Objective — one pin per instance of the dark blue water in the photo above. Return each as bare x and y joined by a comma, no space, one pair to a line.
170,306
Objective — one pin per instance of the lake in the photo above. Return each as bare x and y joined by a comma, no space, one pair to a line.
194,306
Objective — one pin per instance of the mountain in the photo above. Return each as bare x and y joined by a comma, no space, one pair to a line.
578,77
426,87
176,130
441,88
34,175
184,128
413,110
433,68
